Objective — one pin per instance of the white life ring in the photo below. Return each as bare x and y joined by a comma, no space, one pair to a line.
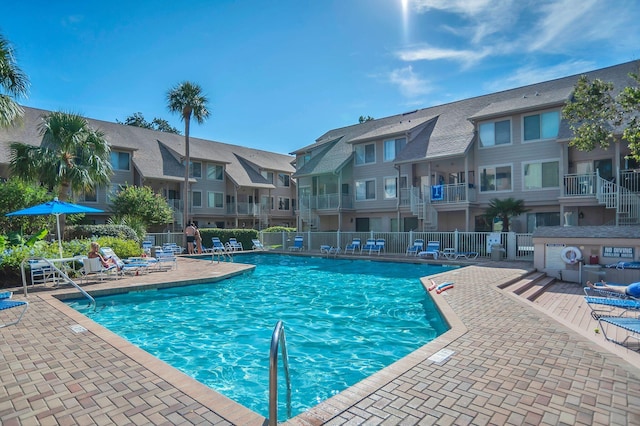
571,255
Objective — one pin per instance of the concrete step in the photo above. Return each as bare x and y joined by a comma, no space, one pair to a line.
522,281
538,288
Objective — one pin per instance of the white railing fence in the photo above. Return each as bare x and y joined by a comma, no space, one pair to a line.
516,246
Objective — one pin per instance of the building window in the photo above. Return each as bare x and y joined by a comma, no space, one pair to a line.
366,189
88,196
541,126
283,203
195,169
266,202
393,147
196,199
283,180
114,190
541,175
495,133
215,172
390,187
267,175
120,160
534,220
497,178
365,153
215,200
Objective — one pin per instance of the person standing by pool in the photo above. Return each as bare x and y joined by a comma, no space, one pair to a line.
198,240
190,232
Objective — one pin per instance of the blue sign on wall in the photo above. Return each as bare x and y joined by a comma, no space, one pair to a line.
437,193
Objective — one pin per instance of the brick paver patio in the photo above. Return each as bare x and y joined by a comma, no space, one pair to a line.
511,364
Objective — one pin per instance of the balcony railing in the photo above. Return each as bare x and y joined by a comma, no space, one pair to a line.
580,185
244,208
326,202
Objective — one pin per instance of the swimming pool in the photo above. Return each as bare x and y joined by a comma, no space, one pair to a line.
344,320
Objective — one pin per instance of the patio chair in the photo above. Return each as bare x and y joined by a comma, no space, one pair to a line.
355,245
146,247
298,244
257,245
94,266
166,260
632,325
416,248
6,303
378,246
234,245
369,246
433,250
172,247
42,272
604,306
218,247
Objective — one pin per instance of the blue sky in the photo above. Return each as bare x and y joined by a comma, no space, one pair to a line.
279,74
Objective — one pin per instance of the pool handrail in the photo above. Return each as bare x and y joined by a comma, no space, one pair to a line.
278,338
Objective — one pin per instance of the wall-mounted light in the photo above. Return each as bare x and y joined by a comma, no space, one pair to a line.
581,215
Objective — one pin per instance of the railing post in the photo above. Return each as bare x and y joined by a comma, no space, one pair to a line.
278,339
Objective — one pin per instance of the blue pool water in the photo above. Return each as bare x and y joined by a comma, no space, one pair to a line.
344,320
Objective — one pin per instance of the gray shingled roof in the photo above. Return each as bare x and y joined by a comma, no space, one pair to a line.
453,132
151,148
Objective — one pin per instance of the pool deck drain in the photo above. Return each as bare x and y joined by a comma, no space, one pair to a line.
511,364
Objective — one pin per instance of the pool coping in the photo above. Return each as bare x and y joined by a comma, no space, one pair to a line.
227,408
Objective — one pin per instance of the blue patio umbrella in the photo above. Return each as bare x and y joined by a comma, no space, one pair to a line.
55,207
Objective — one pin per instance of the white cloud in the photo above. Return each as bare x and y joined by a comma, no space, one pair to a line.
432,53
530,74
409,83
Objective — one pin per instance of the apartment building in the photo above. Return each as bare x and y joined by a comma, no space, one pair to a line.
437,168
230,186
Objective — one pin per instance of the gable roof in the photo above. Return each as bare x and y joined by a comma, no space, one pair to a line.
150,147
453,131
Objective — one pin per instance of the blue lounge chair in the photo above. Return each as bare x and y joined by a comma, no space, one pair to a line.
369,246
417,247
218,247
298,244
433,250
355,245
632,325
606,305
6,303
379,246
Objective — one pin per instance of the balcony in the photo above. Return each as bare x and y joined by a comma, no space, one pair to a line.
580,185
326,202
247,209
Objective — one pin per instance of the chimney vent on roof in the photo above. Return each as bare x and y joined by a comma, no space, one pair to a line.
537,94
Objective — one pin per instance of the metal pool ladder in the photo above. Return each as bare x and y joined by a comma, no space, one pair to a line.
277,338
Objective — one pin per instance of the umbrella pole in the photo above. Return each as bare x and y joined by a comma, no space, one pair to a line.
59,236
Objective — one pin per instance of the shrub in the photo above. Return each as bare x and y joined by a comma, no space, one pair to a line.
96,231
244,236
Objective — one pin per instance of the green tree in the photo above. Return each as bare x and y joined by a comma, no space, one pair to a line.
597,116
187,100
134,203
505,210
364,119
72,156
13,84
159,124
16,194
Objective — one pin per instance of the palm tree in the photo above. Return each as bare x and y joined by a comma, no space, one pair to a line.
505,210
187,99
72,156
13,84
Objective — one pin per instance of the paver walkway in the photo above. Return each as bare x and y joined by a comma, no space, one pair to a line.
511,364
